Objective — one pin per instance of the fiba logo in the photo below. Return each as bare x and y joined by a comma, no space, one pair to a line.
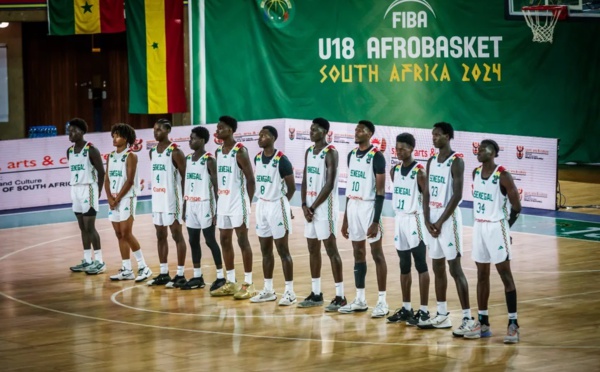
409,19
137,145
217,141
520,194
292,133
520,150
382,144
475,148
277,13
329,137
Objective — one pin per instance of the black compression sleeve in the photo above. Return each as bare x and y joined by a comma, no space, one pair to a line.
378,207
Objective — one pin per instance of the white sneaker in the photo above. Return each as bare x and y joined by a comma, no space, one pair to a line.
288,298
354,306
438,321
123,274
264,296
380,310
143,274
467,326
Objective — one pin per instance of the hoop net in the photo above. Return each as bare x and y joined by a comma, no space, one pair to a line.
542,19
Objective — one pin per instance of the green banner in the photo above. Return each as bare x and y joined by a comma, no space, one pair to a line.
397,62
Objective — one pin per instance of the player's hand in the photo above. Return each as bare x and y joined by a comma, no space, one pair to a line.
307,214
432,230
373,230
345,229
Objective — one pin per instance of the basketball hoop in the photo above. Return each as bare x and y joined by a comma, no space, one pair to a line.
542,19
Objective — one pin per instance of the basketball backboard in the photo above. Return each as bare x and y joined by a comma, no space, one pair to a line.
578,9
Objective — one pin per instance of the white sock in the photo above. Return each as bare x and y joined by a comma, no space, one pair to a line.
339,289
442,308
483,312
289,286
180,270
139,257
466,313
197,272
127,264
360,294
424,308
87,255
164,268
220,274
407,306
382,297
248,278
231,275
269,284
98,255
512,316
316,286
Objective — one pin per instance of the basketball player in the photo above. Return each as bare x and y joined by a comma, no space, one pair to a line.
168,175
87,175
236,189
409,178
320,205
275,187
443,220
494,193
121,191
365,193
200,207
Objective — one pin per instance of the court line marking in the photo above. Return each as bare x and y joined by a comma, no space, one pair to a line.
434,343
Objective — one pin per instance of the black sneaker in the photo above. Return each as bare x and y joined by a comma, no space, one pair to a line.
312,300
194,283
420,316
401,316
218,284
161,279
336,303
177,282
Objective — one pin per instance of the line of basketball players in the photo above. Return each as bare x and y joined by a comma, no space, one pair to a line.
215,191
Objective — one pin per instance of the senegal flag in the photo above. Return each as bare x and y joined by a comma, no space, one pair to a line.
155,56
68,17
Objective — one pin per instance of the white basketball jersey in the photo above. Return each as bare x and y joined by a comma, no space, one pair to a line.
316,174
361,177
407,199
488,202
82,170
166,182
233,195
117,173
198,186
269,184
440,181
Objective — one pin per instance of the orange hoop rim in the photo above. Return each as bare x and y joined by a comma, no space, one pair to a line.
559,11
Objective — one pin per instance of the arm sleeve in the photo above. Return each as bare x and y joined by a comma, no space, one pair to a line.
350,153
285,167
379,163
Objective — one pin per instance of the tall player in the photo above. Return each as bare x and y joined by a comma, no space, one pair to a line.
168,176
443,219
87,175
494,193
320,204
121,186
236,189
409,180
275,187
200,207
365,193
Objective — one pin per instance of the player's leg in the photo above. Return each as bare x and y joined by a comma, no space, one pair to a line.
289,297
211,241
89,226
226,238
162,233
315,298
177,234
337,269
197,280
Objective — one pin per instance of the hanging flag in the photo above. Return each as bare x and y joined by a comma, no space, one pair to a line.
155,56
68,17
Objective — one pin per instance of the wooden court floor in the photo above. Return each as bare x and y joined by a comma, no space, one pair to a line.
53,319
